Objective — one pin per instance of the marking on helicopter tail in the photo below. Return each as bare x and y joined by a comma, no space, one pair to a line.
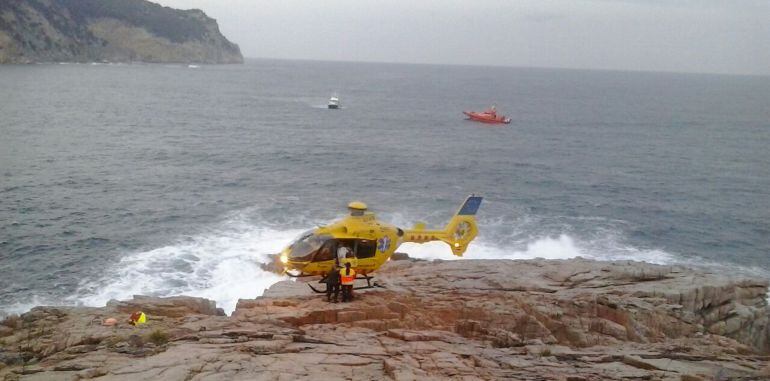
471,206
383,244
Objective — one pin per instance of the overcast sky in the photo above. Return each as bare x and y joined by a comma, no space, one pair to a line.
730,36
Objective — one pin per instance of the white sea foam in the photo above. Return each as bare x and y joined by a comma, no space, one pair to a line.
21,307
222,265
561,247
325,107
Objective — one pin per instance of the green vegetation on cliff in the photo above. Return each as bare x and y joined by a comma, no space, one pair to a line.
175,25
111,30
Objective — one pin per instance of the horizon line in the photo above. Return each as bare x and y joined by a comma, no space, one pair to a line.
511,66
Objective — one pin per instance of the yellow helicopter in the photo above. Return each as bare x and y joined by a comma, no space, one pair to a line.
370,242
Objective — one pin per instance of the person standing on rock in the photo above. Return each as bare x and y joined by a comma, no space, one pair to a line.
347,278
333,284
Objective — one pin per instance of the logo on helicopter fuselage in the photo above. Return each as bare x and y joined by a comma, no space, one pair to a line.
383,244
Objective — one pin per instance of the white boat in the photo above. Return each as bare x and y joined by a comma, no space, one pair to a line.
334,102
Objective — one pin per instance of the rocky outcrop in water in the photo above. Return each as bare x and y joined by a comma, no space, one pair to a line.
109,30
470,319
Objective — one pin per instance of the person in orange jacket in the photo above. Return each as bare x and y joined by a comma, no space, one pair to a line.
347,277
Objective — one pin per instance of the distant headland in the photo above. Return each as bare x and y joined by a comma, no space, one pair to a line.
109,31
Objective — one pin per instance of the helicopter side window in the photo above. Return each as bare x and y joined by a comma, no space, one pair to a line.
306,246
327,252
365,248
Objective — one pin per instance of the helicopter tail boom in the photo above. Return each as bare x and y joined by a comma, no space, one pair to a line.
458,233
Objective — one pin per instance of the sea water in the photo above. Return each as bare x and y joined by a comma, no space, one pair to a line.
118,180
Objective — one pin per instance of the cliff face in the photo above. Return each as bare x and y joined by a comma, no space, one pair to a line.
574,320
109,30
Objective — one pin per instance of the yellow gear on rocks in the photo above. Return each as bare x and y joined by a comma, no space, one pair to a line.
137,318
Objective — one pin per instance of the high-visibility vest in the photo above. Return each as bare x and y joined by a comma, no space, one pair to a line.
347,279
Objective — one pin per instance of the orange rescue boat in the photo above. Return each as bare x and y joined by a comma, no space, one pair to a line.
487,116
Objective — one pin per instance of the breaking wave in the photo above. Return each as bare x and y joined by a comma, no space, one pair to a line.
222,265
223,262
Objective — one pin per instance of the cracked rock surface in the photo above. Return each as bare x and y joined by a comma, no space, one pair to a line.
472,319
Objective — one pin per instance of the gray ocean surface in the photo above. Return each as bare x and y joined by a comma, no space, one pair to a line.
167,179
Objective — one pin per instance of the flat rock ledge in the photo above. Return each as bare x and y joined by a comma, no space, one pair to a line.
472,319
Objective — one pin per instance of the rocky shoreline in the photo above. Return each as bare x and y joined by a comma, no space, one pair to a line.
472,319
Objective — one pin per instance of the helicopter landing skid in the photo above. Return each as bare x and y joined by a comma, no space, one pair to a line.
369,284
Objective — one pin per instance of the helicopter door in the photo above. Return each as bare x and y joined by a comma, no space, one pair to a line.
365,249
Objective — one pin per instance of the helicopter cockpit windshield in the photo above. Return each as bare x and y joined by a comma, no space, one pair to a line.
307,245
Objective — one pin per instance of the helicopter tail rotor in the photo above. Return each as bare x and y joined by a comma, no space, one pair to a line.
462,228
458,233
